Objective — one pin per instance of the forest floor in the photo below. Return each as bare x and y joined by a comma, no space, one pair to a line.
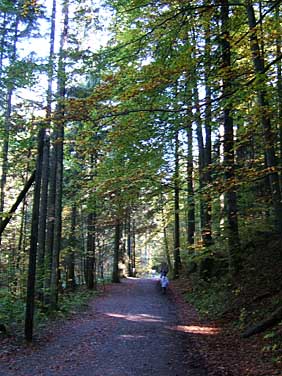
221,343
134,330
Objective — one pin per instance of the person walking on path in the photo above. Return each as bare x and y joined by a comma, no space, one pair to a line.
164,283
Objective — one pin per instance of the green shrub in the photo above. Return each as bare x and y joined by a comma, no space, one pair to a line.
209,297
12,311
75,301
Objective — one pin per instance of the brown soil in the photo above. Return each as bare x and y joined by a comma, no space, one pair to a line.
222,345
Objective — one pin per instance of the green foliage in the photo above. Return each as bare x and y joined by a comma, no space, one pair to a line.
11,311
210,298
273,344
75,301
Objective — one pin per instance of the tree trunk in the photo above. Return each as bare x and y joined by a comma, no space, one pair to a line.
3,42
19,199
59,154
271,321
49,240
164,225
129,246
201,149
45,165
133,248
269,138
228,144
176,252
90,271
279,85
70,275
190,182
7,125
33,242
43,218
207,230
118,234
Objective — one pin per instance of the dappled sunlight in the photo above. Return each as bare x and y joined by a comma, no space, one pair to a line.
138,317
203,330
130,336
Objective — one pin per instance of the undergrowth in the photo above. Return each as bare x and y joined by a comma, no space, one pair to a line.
247,300
210,297
76,301
12,309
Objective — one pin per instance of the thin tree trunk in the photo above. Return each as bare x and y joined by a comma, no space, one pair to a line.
207,231
90,272
59,153
190,182
129,246
118,234
133,248
49,240
43,218
19,199
201,151
228,145
176,252
2,44
45,164
166,247
279,85
33,243
7,125
70,278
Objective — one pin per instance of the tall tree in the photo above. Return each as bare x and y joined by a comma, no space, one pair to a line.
265,117
207,230
7,117
228,142
58,158
44,262
118,235
176,180
30,298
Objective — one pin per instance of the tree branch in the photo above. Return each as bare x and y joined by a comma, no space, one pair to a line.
21,196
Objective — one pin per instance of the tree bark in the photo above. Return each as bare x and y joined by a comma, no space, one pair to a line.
129,246
118,234
59,155
190,180
33,242
19,199
279,85
176,249
90,255
166,246
228,145
70,275
45,165
7,126
43,218
207,230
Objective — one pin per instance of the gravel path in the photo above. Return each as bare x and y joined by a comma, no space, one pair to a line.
130,331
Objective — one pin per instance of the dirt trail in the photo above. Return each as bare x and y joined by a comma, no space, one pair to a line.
130,331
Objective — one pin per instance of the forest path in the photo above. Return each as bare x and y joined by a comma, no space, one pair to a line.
129,331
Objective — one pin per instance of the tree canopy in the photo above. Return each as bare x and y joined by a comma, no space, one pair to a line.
161,144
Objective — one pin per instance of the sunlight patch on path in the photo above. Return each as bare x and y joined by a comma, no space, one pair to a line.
203,330
130,336
140,317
